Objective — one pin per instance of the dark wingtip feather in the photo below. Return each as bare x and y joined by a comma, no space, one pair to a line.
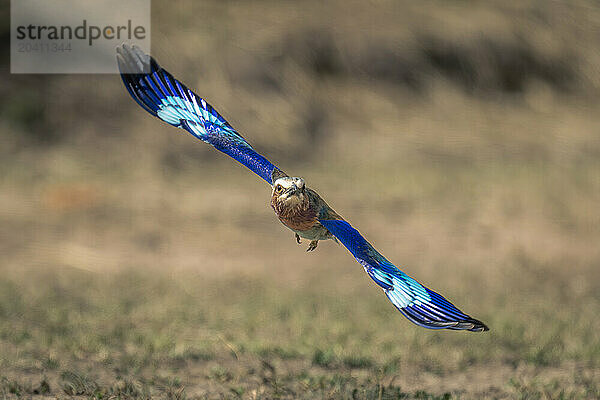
471,325
467,324
132,60
478,326
134,65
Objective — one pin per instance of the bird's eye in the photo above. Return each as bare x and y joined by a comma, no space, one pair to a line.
278,189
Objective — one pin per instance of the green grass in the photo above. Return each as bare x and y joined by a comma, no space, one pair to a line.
135,335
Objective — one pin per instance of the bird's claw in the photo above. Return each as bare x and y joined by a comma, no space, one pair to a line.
313,245
298,240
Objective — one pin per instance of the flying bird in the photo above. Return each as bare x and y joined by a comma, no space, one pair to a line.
298,207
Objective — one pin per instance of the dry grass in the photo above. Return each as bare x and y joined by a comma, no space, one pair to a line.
461,140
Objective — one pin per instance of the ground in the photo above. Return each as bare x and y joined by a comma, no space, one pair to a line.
461,141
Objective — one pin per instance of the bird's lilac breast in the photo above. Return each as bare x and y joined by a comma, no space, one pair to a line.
297,217
299,221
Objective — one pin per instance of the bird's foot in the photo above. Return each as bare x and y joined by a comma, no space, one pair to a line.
298,240
313,245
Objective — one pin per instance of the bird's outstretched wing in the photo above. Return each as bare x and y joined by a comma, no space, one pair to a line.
163,96
419,304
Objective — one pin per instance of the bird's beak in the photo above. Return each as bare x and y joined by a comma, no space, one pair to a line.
290,190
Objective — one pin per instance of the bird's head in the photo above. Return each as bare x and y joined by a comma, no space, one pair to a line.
289,191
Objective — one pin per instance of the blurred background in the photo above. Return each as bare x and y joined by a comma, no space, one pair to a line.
461,138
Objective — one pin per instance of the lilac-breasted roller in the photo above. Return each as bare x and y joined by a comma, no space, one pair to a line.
299,208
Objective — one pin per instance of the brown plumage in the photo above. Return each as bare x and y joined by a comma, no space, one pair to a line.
296,215
299,208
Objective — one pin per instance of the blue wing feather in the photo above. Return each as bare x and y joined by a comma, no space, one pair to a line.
419,304
163,96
